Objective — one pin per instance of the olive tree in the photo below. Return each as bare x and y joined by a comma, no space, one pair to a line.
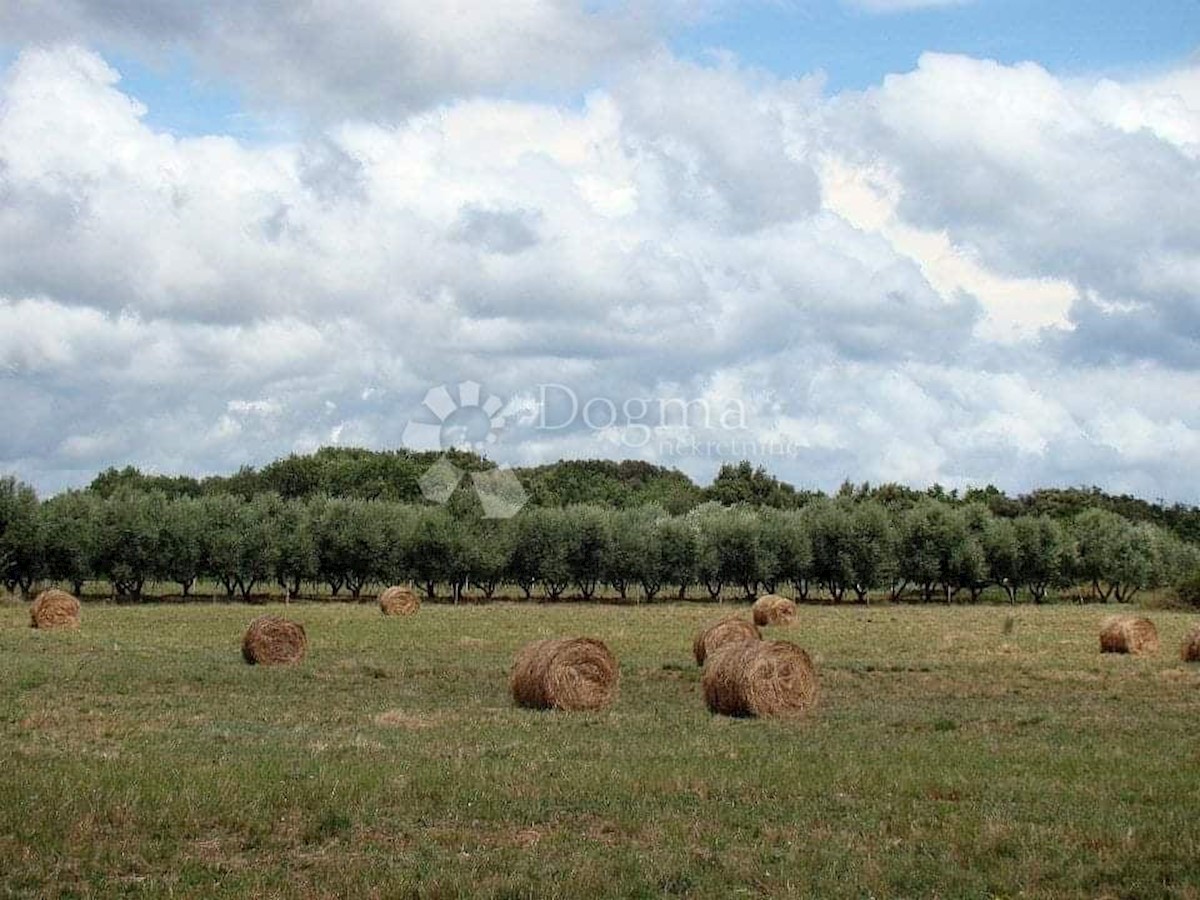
588,533
69,529
21,550
729,548
832,531
679,546
787,544
1047,554
873,560
181,543
129,541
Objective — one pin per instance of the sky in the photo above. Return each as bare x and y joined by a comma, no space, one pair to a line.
883,240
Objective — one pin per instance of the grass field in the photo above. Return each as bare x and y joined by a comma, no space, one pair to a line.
955,754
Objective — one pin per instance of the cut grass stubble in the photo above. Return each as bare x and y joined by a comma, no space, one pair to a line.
948,755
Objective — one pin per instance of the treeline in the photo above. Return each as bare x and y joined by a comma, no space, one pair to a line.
395,475
847,547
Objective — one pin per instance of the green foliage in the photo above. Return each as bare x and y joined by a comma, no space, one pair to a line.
351,518
832,530
730,552
679,551
69,537
489,553
347,472
743,483
293,533
436,549
357,542
609,483
129,541
181,551
21,549
787,549
1188,589
588,536
1047,555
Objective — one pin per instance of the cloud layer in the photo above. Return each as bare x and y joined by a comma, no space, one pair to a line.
970,273
376,58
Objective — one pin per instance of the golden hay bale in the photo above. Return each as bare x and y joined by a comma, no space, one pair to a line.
730,630
1110,635
399,601
271,640
1128,634
771,609
1190,651
54,609
564,673
760,678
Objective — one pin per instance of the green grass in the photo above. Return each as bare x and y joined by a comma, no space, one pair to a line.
950,756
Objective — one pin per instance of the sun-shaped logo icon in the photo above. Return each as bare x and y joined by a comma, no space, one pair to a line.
466,419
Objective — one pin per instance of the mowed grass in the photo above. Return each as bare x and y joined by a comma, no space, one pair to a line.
952,755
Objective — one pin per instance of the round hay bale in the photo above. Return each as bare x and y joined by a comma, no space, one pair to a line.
1128,634
1190,651
564,673
1111,637
730,630
271,640
54,609
399,601
772,609
760,678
